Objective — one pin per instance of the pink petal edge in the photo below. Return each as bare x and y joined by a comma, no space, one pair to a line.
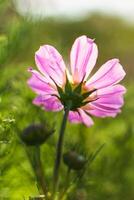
51,64
109,74
80,117
83,57
39,84
49,103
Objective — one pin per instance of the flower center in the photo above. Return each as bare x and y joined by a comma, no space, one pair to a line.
75,95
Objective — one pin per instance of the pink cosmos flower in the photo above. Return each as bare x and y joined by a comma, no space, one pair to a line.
99,95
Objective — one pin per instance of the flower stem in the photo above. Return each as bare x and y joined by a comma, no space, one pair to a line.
39,171
62,197
59,150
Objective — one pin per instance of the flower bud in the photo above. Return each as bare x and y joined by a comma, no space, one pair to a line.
73,160
36,134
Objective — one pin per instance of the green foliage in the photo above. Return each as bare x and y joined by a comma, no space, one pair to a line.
3,49
110,175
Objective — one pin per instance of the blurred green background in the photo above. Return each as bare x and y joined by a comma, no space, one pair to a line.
111,175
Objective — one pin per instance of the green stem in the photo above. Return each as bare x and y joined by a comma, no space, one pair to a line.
59,150
39,171
67,183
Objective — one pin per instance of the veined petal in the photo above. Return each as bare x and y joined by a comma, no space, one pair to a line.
110,98
83,57
39,84
101,111
111,102
38,75
51,64
86,119
111,90
74,117
80,117
109,74
49,103
102,114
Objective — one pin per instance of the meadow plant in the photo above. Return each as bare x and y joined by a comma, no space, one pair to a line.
78,93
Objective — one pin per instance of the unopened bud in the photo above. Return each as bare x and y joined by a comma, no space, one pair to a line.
73,160
36,134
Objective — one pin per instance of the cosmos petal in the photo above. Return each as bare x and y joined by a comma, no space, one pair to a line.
49,103
51,64
112,101
86,119
108,103
40,85
102,114
99,110
80,117
83,57
109,74
110,98
74,117
111,90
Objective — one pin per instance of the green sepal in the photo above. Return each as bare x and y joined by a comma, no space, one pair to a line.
86,94
75,96
68,88
60,91
78,88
